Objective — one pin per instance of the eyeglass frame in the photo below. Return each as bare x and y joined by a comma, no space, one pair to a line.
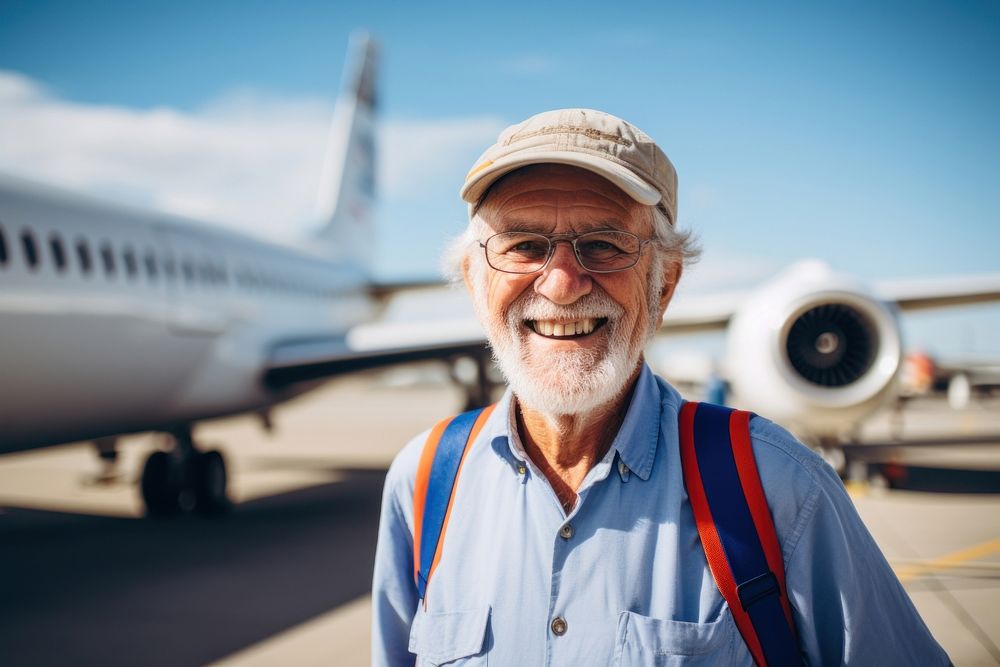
566,237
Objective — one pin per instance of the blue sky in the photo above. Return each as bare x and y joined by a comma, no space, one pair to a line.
863,134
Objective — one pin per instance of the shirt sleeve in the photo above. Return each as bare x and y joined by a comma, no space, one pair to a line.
849,607
394,593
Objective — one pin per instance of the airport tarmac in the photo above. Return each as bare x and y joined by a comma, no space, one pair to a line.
284,578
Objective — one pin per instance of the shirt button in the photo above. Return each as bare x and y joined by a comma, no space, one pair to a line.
566,531
521,469
622,468
558,626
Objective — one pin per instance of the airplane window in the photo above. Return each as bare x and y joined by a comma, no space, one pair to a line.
58,253
108,259
30,249
131,267
3,248
151,272
205,273
83,255
170,267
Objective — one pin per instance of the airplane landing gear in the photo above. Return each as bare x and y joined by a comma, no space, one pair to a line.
184,479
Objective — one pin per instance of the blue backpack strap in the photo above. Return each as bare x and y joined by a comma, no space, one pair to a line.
434,488
736,529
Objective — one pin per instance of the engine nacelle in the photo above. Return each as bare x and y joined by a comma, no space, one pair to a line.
814,351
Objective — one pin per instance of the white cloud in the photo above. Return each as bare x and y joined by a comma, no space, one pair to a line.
246,159
420,151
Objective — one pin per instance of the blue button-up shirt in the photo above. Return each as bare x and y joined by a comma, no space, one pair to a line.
622,579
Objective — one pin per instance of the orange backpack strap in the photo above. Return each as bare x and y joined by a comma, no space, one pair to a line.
736,529
434,489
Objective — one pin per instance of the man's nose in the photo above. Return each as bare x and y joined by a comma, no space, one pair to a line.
563,280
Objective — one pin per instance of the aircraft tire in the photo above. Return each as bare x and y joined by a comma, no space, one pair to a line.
160,485
210,483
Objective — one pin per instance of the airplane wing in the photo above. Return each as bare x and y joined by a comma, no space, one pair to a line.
925,293
695,312
373,346
399,338
453,331
384,291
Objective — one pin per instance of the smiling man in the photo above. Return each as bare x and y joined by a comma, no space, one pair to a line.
570,536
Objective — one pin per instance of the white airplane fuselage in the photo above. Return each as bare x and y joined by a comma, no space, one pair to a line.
115,321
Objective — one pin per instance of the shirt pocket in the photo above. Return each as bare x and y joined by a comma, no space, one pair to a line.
450,637
642,640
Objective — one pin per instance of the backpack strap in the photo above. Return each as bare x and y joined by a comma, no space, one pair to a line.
736,529
434,488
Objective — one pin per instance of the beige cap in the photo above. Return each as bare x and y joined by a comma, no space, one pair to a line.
593,140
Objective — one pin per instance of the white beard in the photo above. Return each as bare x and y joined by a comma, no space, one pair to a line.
570,382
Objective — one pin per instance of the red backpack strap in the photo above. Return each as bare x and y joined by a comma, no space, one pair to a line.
736,529
434,489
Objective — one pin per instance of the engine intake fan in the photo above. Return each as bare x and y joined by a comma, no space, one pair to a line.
832,345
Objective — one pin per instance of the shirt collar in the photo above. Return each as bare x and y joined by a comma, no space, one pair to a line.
639,433
635,442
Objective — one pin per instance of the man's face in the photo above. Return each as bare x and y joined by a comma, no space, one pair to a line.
567,374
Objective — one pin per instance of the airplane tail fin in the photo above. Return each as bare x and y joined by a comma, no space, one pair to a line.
346,197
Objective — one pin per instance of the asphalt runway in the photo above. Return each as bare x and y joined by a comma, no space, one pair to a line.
284,578
99,590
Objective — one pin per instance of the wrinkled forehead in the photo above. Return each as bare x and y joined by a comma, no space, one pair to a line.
548,189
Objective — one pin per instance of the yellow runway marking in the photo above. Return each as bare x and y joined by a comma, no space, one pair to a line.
857,489
956,559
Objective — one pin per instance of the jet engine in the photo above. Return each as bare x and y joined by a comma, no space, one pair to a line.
813,350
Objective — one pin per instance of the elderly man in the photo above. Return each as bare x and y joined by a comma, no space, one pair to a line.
570,536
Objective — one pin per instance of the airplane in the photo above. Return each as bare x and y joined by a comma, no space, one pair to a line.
117,320
816,350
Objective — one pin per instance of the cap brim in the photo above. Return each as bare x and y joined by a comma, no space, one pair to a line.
636,188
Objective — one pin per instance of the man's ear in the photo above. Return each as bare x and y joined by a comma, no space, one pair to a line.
466,276
671,276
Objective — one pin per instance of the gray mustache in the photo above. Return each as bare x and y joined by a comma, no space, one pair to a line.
533,306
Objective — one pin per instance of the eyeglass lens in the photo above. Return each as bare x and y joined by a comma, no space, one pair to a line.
526,252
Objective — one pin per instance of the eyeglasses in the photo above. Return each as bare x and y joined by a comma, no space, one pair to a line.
603,251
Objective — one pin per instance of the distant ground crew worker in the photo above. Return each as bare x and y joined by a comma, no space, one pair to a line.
592,516
715,389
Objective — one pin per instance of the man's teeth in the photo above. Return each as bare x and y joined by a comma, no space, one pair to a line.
551,328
